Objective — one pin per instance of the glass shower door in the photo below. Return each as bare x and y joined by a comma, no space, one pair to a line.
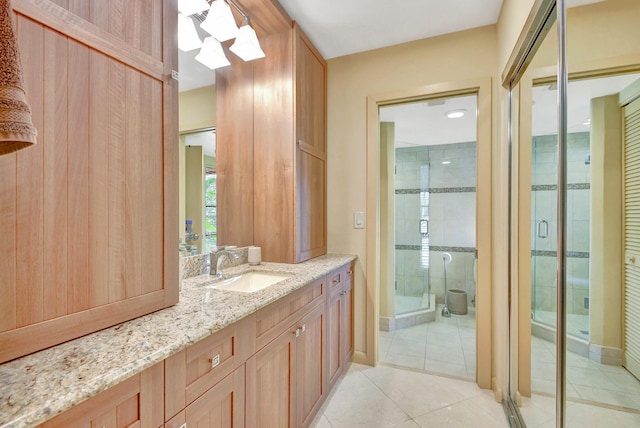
412,230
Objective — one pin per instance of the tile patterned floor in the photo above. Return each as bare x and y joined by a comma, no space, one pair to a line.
587,380
385,396
446,346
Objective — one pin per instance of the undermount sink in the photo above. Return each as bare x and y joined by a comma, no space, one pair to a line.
250,282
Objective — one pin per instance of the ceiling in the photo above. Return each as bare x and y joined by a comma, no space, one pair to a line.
339,27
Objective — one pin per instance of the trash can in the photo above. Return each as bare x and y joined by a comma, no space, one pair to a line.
457,301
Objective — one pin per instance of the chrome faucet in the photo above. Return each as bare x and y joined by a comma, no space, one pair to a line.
215,259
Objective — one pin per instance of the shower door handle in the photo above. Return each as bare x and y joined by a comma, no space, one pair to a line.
424,227
543,229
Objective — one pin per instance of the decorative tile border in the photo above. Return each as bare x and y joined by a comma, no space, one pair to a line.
570,254
437,248
436,190
553,187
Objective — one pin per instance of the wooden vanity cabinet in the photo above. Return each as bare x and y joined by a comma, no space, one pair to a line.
191,374
134,403
222,406
286,384
340,330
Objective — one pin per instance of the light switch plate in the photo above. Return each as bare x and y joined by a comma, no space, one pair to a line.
358,220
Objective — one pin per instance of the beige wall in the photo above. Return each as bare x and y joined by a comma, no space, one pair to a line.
351,79
197,109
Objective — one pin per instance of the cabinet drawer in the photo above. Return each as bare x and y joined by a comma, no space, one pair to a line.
335,280
271,321
135,402
193,371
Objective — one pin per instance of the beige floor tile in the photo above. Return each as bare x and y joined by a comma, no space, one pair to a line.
449,355
458,370
407,424
479,411
320,421
592,378
358,402
419,393
543,370
582,415
605,396
538,410
403,360
411,347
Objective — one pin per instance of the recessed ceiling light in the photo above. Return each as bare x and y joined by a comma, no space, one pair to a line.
446,162
454,114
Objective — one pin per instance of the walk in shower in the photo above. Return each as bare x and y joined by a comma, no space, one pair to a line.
429,173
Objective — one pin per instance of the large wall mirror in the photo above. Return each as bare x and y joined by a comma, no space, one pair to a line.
600,356
197,173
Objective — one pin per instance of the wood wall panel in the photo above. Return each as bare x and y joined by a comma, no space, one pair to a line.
8,185
116,181
134,193
274,166
29,201
152,191
235,155
78,179
98,179
55,174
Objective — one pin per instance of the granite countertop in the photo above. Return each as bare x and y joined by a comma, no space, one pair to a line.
39,386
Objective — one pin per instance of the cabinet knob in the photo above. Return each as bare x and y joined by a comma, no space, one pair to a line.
303,328
297,332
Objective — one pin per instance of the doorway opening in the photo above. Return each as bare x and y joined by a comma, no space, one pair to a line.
428,225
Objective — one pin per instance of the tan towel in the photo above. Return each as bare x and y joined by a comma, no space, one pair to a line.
16,128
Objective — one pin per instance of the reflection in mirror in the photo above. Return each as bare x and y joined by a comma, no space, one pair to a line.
199,192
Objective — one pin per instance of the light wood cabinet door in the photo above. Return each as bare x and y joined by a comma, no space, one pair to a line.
346,325
334,324
286,380
137,402
311,153
90,213
271,384
220,407
311,365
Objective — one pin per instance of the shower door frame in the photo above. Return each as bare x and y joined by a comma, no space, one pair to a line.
482,88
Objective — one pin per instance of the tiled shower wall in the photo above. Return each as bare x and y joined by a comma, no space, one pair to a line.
451,213
544,207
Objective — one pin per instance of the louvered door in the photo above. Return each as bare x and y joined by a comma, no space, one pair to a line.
632,236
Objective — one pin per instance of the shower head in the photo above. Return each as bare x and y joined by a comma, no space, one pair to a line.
446,258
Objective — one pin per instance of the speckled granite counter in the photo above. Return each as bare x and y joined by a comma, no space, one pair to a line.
41,385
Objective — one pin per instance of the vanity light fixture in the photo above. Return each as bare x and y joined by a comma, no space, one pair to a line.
188,38
191,7
212,55
246,45
446,162
220,22
455,114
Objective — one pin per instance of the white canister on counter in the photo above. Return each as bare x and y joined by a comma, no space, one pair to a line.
254,255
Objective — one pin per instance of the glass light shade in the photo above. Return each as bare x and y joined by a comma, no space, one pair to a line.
220,22
212,55
191,7
246,45
188,39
